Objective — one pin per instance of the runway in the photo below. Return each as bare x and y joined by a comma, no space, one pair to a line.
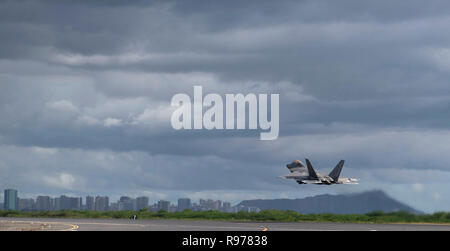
34,224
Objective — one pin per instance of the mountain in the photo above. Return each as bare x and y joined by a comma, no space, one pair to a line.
359,203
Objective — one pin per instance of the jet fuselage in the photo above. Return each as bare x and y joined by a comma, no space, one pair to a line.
307,175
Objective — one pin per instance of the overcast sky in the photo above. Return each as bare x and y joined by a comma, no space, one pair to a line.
86,90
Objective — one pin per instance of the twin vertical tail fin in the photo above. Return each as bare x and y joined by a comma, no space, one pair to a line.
337,171
311,171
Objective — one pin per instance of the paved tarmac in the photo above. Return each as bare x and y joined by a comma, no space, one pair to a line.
35,224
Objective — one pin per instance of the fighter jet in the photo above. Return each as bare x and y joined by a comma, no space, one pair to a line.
307,175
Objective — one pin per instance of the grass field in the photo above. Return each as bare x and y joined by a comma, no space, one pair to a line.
265,215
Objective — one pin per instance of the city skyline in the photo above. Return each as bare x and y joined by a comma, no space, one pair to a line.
102,203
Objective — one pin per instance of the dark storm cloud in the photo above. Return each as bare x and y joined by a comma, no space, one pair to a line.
362,80
370,54
292,38
366,50
234,13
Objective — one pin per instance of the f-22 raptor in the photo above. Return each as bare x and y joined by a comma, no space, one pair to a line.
307,175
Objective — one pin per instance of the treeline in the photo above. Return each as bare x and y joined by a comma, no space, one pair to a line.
265,215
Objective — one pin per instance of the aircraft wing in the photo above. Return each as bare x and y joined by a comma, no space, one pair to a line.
348,181
312,181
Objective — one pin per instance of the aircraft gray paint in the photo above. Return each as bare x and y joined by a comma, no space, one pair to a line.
307,175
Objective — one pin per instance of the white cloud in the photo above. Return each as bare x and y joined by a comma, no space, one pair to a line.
112,122
63,106
440,57
154,116
44,150
436,196
61,181
88,120
418,187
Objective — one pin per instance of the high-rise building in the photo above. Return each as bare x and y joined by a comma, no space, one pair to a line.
127,204
207,205
101,203
43,203
11,201
141,203
56,204
114,206
164,205
90,204
226,207
26,205
173,208
183,204
153,208
70,203
52,204
217,205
